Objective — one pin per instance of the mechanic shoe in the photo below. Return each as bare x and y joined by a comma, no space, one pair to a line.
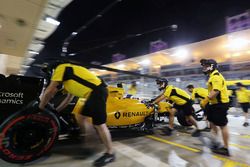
105,159
196,133
215,145
246,124
222,151
167,131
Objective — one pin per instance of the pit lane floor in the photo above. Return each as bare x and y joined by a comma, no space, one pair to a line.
138,150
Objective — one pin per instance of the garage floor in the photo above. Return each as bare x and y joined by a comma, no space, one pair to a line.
138,150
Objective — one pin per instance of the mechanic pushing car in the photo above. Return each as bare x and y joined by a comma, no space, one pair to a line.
80,82
200,94
243,98
218,104
182,103
132,90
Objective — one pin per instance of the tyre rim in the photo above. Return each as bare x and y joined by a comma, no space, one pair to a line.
29,136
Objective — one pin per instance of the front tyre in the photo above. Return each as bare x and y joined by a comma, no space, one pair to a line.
149,125
27,137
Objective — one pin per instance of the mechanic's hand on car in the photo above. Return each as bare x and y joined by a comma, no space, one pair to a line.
204,102
149,104
35,108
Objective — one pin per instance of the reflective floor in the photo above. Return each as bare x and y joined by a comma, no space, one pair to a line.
134,149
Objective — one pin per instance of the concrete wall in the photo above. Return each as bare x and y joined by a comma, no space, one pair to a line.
3,62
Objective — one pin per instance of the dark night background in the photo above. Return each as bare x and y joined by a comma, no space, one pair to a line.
196,19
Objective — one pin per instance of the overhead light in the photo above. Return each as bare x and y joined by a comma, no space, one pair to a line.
103,70
25,66
182,53
93,72
29,60
120,66
33,52
236,54
74,33
145,62
174,27
52,21
157,66
237,44
72,54
1,21
227,55
164,52
178,79
64,49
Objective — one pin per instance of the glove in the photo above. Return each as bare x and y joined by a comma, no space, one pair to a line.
32,107
204,102
149,105
35,108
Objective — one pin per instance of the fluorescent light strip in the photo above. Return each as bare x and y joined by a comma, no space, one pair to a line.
52,21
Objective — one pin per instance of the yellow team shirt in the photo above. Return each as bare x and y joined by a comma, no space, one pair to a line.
243,95
217,82
132,90
177,95
73,87
199,93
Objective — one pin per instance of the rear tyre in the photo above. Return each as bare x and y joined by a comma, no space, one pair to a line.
149,125
26,137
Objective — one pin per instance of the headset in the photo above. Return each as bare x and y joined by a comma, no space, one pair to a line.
209,65
162,83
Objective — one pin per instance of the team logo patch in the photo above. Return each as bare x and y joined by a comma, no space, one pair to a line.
117,115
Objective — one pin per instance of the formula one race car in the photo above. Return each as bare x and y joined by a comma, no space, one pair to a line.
26,133
128,112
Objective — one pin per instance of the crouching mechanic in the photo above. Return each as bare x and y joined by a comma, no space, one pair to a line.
200,94
181,100
80,82
218,103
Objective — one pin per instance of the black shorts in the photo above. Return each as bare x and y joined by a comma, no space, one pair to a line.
205,109
245,107
217,114
186,108
95,106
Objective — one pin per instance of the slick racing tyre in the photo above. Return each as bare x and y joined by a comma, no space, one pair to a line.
26,137
181,119
149,125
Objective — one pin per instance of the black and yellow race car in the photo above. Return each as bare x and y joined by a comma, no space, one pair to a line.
26,133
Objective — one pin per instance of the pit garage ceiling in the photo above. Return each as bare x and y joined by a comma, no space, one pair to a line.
23,28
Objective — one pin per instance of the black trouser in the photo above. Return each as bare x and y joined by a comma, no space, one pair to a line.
95,105
217,113
245,107
187,108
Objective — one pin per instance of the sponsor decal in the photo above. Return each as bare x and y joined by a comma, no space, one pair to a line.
39,118
13,156
130,114
134,114
11,97
117,115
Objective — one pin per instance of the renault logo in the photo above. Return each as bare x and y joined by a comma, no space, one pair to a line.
117,115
